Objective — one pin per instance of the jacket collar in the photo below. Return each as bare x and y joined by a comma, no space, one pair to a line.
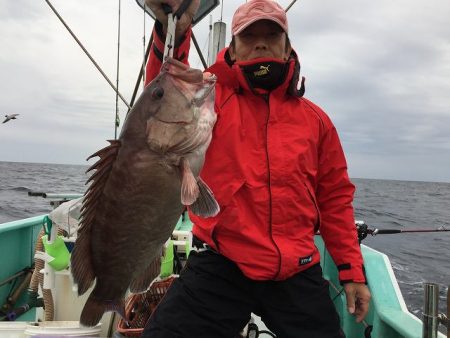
231,75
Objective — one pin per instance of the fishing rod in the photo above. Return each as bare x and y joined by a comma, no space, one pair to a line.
364,230
397,231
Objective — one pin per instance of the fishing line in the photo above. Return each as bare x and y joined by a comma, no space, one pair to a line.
337,295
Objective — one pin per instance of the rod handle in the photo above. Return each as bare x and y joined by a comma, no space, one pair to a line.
388,231
37,193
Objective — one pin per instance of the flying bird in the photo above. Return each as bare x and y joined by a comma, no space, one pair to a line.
10,117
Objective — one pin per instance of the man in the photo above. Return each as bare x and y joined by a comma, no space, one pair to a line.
277,169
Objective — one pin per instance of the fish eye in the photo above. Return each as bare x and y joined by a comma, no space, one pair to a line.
158,93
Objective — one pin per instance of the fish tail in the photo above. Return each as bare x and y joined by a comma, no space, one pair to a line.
95,308
92,312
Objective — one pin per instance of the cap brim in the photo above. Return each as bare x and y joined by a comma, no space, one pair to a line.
262,17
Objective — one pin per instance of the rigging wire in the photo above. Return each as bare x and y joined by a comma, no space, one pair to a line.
203,51
209,40
197,47
117,119
144,50
290,5
87,53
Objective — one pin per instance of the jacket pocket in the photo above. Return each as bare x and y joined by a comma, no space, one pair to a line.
312,196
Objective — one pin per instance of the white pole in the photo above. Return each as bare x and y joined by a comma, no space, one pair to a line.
218,40
48,271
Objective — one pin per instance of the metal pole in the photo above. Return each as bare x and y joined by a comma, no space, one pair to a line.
430,310
11,278
445,320
448,311
218,40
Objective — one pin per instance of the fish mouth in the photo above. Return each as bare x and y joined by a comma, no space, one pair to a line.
174,122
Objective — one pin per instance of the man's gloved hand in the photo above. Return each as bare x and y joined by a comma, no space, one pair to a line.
185,20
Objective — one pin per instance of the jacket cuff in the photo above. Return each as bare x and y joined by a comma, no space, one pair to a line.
181,48
351,274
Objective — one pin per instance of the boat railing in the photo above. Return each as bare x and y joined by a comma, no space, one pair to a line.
17,243
388,316
431,316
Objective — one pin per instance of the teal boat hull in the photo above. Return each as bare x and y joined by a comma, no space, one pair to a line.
388,316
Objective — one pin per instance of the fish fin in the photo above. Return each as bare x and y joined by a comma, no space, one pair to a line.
81,264
205,205
94,309
189,187
142,282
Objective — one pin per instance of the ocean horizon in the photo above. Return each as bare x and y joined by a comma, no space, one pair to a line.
351,177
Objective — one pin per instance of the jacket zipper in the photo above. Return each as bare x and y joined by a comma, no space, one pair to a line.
270,188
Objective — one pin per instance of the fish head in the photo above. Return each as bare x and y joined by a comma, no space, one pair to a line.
181,100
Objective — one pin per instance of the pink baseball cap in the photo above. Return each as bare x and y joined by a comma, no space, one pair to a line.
255,10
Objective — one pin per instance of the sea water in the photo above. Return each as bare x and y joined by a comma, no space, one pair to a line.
384,204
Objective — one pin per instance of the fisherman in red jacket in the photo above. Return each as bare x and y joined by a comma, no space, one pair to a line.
276,167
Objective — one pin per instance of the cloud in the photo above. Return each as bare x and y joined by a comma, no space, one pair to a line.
381,70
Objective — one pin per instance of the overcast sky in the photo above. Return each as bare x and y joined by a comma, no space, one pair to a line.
380,69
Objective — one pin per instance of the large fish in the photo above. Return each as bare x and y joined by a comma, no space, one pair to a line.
140,187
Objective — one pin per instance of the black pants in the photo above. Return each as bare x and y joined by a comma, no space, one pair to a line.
213,299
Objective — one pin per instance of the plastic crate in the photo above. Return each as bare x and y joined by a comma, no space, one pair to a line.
139,307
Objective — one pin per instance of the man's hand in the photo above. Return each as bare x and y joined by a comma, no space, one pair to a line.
185,20
358,297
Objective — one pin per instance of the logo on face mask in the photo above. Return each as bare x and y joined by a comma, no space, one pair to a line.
263,70
265,75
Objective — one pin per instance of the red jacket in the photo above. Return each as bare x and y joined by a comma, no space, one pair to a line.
278,172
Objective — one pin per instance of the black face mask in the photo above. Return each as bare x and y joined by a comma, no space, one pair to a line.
266,75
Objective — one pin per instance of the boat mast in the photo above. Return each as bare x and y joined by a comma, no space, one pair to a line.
217,43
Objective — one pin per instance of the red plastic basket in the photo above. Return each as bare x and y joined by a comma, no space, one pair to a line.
139,307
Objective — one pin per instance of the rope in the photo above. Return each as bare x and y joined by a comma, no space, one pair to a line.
87,53
116,120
